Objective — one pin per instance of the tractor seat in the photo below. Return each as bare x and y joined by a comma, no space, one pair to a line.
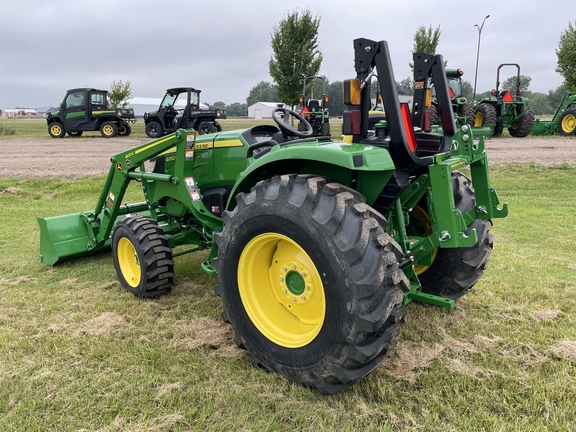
314,105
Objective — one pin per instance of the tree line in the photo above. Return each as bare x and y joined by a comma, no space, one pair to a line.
297,55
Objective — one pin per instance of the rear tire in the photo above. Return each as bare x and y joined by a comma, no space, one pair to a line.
524,125
467,111
109,129
316,299
455,270
206,128
124,129
154,129
567,123
325,129
434,116
56,130
486,116
142,257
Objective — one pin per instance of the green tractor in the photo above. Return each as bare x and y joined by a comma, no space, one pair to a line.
317,244
502,110
463,112
563,121
86,109
314,110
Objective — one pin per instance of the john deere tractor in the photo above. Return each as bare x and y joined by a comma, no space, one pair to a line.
315,110
463,111
504,110
317,244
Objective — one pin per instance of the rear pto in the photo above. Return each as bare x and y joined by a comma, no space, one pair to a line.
86,109
317,244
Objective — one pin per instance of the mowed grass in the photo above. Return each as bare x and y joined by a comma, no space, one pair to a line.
79,353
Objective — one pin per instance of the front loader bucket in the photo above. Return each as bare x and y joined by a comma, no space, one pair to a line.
65,237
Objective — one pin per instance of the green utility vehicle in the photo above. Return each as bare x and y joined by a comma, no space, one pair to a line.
463,112
317,244
315,110
563,121
86,109
502,110
167,118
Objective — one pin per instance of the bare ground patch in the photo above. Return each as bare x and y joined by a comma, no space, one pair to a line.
82,157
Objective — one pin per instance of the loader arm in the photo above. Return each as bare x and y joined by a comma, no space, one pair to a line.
74,235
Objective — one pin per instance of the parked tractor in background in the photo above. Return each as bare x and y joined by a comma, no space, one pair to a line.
315,111
563,121
317,244
168,118
86,110
463,112
502,110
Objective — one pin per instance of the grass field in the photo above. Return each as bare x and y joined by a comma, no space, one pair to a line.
79,353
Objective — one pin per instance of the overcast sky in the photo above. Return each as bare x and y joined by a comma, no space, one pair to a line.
223,46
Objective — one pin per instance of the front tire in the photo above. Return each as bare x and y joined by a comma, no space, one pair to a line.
142,257
455,270
567,123
154,129
56,130
316,299
76,134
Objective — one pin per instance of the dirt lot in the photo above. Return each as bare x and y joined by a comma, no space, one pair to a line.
70,157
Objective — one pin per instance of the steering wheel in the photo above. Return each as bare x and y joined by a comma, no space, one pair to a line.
287,127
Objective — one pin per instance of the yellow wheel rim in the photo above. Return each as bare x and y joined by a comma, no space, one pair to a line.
107,130
56,130
281,290
569,123
478,119
421,217
129,262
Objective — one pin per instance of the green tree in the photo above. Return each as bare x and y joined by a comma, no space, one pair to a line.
237,110
467,90
566,53
425,40
406,86
334,93
262,92
510,83
119,94
295,54
218,105
555,96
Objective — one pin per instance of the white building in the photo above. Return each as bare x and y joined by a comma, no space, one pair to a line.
262,110
18,113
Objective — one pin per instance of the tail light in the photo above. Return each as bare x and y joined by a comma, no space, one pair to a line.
427,124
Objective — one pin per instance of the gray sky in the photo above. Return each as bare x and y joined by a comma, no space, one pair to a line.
223,46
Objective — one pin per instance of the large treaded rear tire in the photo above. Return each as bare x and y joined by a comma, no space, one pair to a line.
467,111
142,257
336,325
524,125
455,270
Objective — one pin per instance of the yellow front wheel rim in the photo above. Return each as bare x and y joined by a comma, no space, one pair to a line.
569,123
129,262
56,130
108,130
281,290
